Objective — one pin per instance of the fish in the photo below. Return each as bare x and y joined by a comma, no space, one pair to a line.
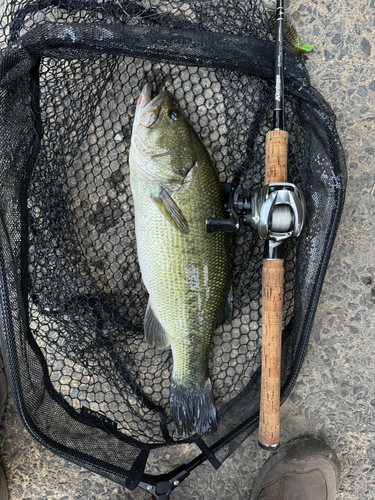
291,38
186,270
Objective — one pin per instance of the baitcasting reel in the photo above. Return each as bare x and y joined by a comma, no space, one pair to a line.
277,211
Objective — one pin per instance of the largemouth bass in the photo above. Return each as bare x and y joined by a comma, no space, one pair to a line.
185,270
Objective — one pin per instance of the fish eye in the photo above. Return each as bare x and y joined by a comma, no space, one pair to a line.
174,114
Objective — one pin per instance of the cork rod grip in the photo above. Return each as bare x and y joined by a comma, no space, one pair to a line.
273,290
273,293
276,156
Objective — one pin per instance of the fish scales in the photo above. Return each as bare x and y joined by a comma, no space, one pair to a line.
185,269
189,277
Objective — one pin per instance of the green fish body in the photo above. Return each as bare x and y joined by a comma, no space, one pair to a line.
186,270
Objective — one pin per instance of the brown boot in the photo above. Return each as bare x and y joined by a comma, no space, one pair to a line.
303,468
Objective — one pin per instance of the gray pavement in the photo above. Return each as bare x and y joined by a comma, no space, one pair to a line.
334,397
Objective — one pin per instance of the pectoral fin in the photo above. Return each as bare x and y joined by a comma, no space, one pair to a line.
155,334
171,212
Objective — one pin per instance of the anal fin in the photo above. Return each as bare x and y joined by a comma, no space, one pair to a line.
155,334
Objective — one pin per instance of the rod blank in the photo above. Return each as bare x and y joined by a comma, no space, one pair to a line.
278,110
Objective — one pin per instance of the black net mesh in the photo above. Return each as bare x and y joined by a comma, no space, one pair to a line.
72,301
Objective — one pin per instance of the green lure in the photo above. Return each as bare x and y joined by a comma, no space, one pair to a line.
291,38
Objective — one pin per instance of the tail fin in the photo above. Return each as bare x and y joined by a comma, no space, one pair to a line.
192,408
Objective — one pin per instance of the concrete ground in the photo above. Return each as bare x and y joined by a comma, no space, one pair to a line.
334,397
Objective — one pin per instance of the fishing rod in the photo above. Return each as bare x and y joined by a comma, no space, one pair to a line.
273,261
277,211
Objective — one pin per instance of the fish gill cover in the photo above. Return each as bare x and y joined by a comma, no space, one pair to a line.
85,382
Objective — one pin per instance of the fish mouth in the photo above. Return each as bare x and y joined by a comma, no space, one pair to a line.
148,108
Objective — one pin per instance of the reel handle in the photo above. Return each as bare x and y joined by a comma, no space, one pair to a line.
272,305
